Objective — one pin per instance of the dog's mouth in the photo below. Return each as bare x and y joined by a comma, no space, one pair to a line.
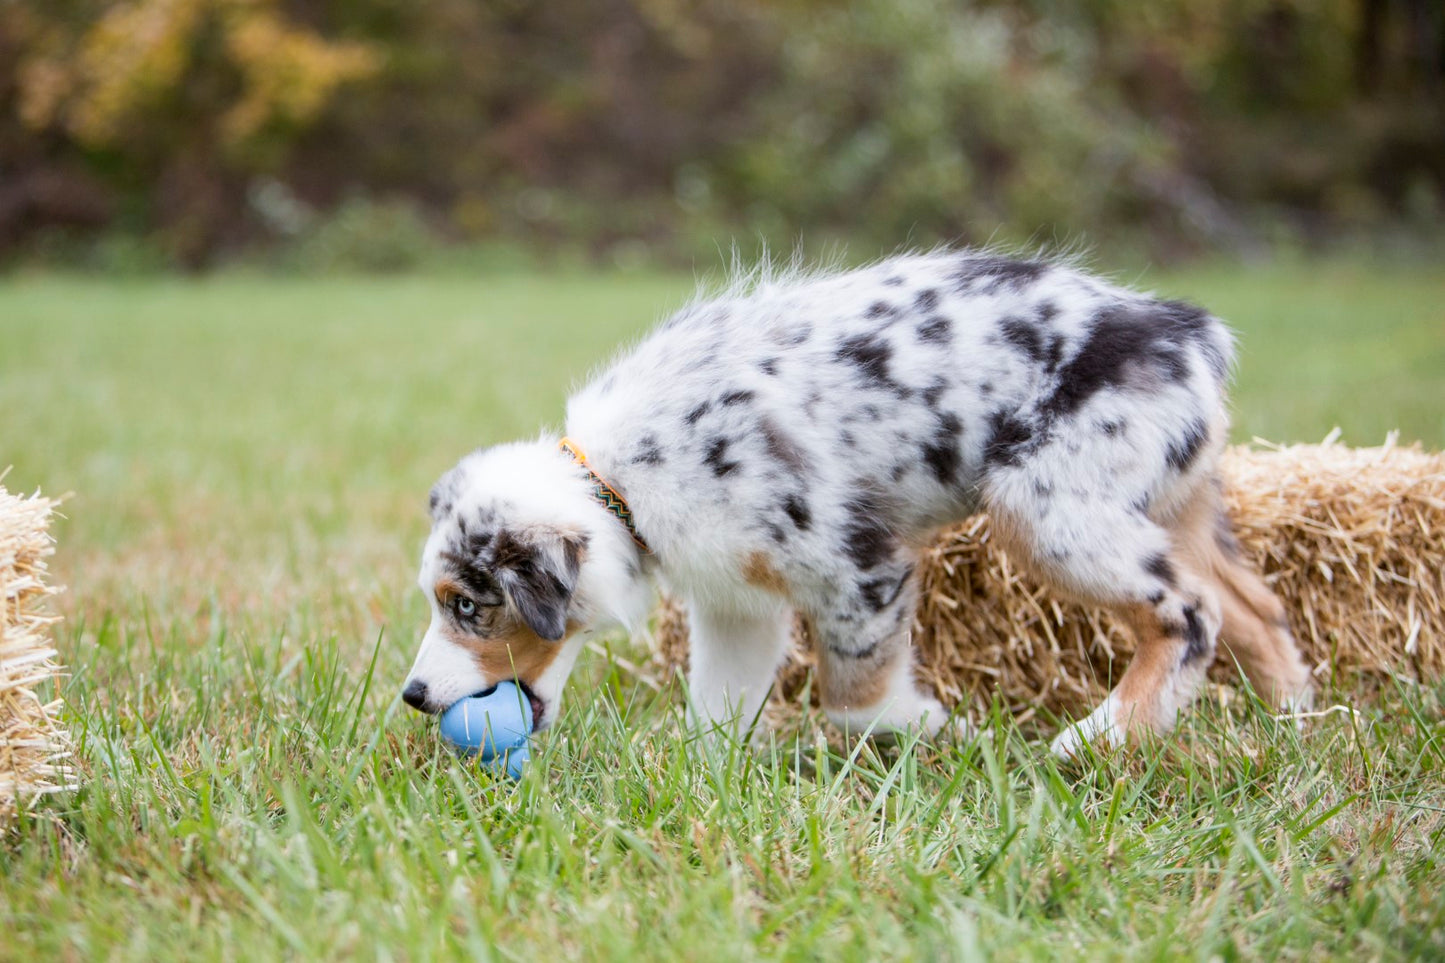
539,708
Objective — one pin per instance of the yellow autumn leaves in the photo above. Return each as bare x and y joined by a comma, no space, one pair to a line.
144,58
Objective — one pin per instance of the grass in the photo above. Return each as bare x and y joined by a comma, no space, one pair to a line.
250,459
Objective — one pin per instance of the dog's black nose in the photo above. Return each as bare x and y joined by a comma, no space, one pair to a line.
415,695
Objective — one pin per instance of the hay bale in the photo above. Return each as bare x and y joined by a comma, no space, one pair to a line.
33,747
1352,540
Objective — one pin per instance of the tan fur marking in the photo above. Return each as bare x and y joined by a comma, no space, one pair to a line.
1255,631
1155,660
516,653
760,573
857,683
446,588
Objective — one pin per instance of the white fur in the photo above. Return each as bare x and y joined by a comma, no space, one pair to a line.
1102,727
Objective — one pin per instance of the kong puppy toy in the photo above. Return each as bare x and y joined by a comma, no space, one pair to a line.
494,726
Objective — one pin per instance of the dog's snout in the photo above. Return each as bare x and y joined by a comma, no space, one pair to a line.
414,694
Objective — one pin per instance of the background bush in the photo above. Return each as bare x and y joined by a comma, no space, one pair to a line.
649,128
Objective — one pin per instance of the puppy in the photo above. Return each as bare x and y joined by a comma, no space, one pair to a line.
793,445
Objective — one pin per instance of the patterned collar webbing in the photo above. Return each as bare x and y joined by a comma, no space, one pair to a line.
606,494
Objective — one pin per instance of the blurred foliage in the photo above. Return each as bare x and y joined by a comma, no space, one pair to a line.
644,128
234,66
365,235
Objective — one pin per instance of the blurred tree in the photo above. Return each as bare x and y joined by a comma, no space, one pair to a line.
632,125
184,95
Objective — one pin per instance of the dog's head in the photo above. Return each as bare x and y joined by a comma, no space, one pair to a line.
503,571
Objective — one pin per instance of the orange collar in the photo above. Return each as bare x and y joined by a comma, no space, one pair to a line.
610,498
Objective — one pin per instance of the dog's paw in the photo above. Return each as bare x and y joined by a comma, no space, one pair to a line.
942,726
957,730
1101,727
1296,708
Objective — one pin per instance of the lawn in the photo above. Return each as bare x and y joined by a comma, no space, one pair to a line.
250,458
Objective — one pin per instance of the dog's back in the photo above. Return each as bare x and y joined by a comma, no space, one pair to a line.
906,382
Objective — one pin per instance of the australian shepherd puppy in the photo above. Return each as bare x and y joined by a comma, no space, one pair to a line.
792,446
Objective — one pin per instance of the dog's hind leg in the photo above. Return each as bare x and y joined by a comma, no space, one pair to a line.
1256,632
732,661
1091,544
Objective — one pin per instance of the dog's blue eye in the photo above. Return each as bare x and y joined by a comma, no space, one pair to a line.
466,607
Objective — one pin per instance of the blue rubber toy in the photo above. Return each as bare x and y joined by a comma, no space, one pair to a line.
493,726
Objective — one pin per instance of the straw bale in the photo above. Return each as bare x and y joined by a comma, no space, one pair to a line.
1352,540
34,748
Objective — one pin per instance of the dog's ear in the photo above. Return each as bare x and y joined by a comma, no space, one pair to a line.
537,570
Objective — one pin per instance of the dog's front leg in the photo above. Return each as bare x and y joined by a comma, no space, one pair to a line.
865,658
733,660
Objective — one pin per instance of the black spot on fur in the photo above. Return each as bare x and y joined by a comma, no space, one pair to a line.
649,452
1046,313
471,564
716,458
781,447
1043,489
880,309
895,281
992,273
1113,427
735,398
934,392
474,543
866,541
1183,451
539,581
1054,354
1224,536
1196,645
443,496
899,472
1123,341
870,355
511,551
439,502
1023,336
769,366
847,439
797,511
936,330
941,452
1009,438
879,593
1184,321
1160,567
864,653
776,533
697,413
926,301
